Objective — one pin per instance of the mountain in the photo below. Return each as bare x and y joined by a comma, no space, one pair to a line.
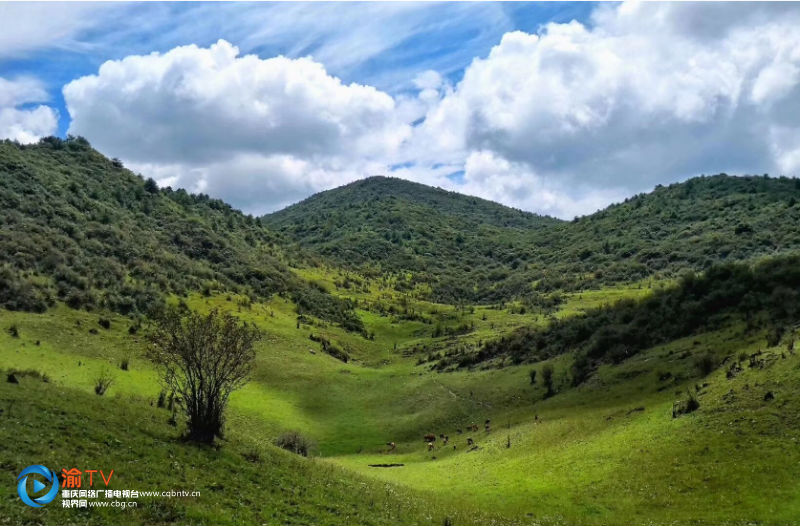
78,227
472,250
386,225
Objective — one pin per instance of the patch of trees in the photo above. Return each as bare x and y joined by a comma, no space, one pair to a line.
764,296
79,228
475,251
330,348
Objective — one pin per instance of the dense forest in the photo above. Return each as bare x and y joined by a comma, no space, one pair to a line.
471,250
763,296
80,228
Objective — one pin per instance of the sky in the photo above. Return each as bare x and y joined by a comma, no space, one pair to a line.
555,108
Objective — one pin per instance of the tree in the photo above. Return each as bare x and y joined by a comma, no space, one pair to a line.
547,379
151,186
203,358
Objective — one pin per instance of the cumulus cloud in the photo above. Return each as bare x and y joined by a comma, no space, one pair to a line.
647,93
211,119
562,121
20,119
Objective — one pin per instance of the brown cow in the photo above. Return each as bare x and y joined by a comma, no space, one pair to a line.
431,445
430,437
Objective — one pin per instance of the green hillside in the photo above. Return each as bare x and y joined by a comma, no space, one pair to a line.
581,373
384,225
79,228
610,450
471,250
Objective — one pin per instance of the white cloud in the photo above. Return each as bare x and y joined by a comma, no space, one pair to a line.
29,26
19,119
214,119
561,122
649,93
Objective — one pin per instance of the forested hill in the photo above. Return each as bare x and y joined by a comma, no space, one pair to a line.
476,251
78,227
384,224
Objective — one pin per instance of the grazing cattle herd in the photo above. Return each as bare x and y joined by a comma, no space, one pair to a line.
431,438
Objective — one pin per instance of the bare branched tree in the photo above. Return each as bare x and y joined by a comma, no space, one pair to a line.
203,358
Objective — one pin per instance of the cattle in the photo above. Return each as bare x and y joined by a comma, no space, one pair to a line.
430,437
445,438
470,442
431,445
391,445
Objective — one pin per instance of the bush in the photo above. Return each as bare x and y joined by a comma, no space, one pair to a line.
295,442
14,331
102,383
532,375
687,406
705,364
581,369
124,364
104,323
547,379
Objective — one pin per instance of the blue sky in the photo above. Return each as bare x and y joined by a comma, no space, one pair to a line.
439,41
556,108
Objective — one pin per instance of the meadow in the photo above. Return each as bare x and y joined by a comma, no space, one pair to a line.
608,451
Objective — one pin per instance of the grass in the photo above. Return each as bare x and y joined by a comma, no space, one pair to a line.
242,482
608,452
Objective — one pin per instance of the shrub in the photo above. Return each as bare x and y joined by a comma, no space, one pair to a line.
547,379
687,406
532,375
774,336
705,364
581,369
104,323
124,364
102,383
295,442
14,331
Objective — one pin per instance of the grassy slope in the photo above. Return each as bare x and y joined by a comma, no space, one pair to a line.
589,460
243,482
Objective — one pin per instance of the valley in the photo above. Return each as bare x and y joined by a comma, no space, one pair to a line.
422,334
